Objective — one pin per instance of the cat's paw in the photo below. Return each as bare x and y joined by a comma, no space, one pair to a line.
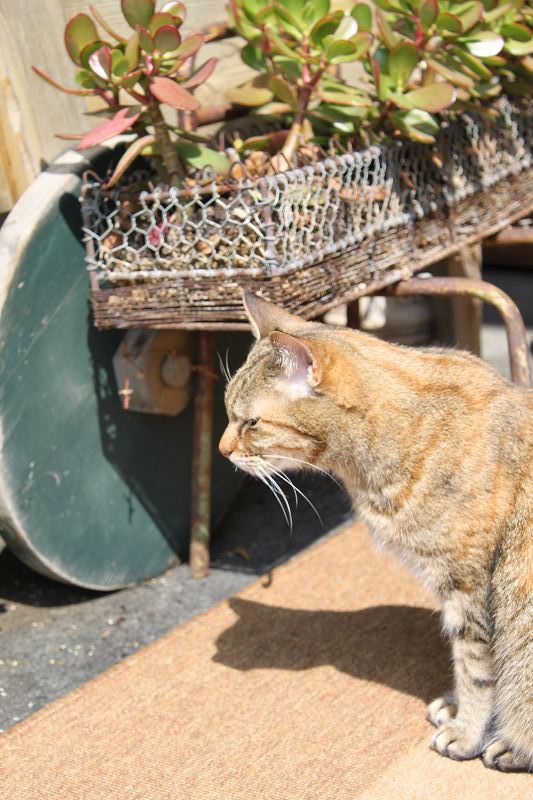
456,741
442,710
498,756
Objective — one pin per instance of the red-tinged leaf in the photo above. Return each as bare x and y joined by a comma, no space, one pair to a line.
107,28
138,12
172,94
122,121
428,11
69,137
201,75
158,20
101,62
167,39
176,9
189,46
129,157
79,32
56,85
452,75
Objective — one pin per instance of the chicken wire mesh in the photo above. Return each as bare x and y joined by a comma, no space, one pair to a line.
262,228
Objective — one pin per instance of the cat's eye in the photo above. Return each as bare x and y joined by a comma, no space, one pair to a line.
253,422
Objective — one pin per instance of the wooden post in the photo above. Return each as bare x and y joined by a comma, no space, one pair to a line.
353,314
202,456
459,318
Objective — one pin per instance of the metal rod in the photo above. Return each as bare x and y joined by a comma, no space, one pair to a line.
202,456
514,324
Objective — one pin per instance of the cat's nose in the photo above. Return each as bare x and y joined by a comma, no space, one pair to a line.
227,444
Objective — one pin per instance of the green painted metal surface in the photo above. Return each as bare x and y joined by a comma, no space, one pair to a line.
90,494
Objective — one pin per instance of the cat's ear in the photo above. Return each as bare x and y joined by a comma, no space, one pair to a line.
297,358
266,317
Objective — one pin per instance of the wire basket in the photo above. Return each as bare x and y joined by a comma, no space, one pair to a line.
311,237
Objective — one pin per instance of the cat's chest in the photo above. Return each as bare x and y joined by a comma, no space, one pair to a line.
412,545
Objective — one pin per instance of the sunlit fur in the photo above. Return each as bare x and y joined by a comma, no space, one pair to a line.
436,451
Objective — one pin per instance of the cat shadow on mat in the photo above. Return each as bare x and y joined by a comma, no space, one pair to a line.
398,646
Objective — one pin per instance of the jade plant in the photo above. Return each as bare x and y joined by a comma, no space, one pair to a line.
421,58
134,77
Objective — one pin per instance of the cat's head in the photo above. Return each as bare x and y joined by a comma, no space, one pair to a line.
281,400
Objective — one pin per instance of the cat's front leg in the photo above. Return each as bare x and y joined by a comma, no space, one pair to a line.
463,735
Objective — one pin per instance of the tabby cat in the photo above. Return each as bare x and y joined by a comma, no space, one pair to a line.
436,452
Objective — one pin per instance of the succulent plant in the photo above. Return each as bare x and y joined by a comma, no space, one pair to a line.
134,76
422,58
296,47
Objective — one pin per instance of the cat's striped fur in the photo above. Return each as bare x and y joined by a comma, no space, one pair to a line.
436,451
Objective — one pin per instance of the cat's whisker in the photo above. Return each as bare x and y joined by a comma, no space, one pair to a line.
278,494
224,367
308,464
228,371
285,477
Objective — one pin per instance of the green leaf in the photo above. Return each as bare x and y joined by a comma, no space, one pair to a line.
167,39
253,57
252,93
85,79
273,109
402,61
283,91
433,98
325,27
519,48
132,50
453,75
514,30
176,9
417,124
291,24
339,98
87,52
79,32
119,64
387,34
473,63
313,10
340,50
484,43
145,40
363,14
159,20
449,22
138,12
428,11
470,14
134,150
200,156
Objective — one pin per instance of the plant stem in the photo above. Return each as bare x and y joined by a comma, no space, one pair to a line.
293,139
169,154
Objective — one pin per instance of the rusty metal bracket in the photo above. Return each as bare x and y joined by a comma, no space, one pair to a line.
514,324
202,455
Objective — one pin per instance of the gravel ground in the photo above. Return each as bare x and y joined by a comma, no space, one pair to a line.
55,637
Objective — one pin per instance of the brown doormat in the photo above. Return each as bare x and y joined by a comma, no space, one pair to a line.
311,684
